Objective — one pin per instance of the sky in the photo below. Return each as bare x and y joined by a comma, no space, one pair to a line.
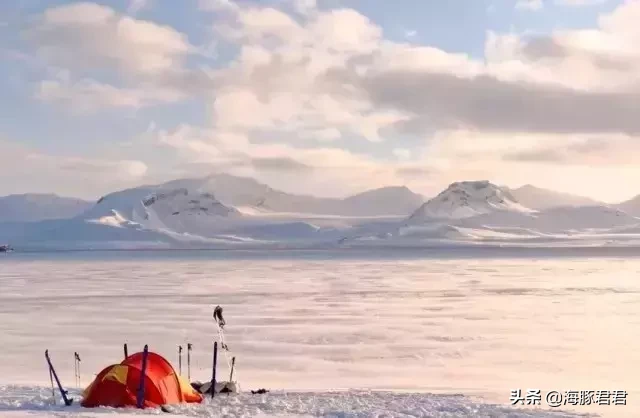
322,97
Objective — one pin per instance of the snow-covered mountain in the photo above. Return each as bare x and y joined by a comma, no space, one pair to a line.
247,193
38,207
631,206
539,199
224,211
215,210
479,211
467,199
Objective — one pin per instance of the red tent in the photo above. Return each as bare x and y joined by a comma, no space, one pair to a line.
117,385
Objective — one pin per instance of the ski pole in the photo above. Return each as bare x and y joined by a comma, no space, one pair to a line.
77,362
189,347
215,363
233,364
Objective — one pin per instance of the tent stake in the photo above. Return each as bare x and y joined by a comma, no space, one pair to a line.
126,352
180,359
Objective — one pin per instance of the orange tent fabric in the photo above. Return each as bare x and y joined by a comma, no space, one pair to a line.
117,385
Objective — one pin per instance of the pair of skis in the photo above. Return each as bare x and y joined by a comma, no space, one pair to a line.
189,348
52,374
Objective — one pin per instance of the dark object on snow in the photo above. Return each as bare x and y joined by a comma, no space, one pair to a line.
259,391
215,366
217,315
196,386
140,398
189,348
52,372
221,387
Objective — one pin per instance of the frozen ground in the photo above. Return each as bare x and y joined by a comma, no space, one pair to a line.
26,402
402,334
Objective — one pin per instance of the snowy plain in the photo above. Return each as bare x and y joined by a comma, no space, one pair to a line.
374,333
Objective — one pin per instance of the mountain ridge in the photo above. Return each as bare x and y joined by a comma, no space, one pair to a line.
227,211
33,207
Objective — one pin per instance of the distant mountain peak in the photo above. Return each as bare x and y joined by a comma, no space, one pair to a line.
32,207
464,199
539,198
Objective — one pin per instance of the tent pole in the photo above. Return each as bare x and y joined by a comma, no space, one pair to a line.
143,376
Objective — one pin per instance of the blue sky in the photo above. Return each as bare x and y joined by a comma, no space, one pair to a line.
346,94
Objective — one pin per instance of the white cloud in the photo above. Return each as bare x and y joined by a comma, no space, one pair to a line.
402,153
143,63
330,76
88,95
217,5
529,4
305,7
137,5
410,34
82,35
580,2
34,171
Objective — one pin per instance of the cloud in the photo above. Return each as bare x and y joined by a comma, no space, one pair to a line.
487,103
89,95
323,170
142,63
580,2
599,150
331,76
35,171
137,5
308,76
88,35
529,4
309,83
279,164
217,5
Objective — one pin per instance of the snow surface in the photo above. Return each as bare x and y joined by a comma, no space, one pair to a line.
372,335
29,402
